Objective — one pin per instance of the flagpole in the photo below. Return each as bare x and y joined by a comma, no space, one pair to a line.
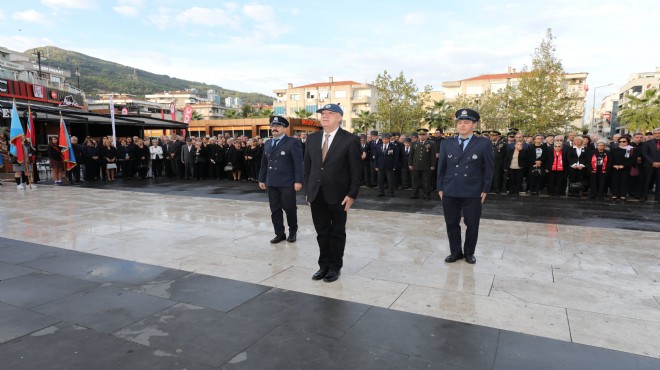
28,167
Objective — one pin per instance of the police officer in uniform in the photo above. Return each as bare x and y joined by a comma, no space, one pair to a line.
465,173
281,173
499,153
422,162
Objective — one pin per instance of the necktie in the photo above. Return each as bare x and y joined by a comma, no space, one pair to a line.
324,150
385,149
462,143
275,141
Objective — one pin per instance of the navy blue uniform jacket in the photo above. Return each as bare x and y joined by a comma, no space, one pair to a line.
465,174
339,174
390,160
282,166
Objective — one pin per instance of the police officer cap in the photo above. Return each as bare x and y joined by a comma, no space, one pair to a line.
467,114
495,132
423,130
513,129
396,134
279,120
407,140
373,133
386,136
332,108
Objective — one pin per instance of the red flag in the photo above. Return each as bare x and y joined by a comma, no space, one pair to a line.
162,114
31,134
66,147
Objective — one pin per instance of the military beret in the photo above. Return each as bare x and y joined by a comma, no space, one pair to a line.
373,133
386,136
407,140
279,120
396,134
467,114
363,137
414,134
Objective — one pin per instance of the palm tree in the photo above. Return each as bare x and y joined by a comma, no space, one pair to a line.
641,113
303,113
265,113
230,113
196,116
365,120
439,115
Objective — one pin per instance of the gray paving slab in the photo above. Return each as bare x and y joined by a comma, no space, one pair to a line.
78,264
67,346
40,287
320,315
104,308
8,270
288,348
19,252
208,336
16,322
208,291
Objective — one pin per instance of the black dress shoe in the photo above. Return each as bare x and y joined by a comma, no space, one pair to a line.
414,197
453,258
470,259
320,274
278,238
380,195
331,276
291,238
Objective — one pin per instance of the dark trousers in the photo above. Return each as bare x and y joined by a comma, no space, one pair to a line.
422,179
73,174
556,183
386,175
515,181
650,174
498,178
535,181
330,224
471,210
174,166
188,170
406,176
283,199
366,173
597,181
157,167
199,170
91,170
373,174
619,182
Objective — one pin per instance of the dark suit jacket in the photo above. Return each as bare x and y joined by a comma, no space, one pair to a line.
573,158
390,160
282,166
465,174
339,174
650,153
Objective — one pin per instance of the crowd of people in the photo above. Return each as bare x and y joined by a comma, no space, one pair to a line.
574,166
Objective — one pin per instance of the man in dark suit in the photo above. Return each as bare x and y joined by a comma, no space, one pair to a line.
366,161
281,173
651,155
373,146
387,165
465,173
188,158
406,173
332,181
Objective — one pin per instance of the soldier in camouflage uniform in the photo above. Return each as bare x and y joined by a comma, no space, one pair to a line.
422,162
499,153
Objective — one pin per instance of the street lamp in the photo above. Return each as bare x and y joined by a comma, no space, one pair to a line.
39,61
78,77
593,107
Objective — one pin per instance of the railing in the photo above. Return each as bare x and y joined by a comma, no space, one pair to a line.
26,76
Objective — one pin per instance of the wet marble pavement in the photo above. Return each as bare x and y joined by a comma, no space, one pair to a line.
565,288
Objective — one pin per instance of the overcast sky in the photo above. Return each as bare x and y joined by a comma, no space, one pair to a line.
261,46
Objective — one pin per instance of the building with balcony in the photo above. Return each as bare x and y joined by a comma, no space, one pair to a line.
209,109
637,85
233,102
475,87
352,96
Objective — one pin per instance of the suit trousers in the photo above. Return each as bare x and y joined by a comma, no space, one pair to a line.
471,210
366,173
422,179
498,177
330,224
515,180
619,182
283,199
373,174
556,183
650,174
598,182
386,175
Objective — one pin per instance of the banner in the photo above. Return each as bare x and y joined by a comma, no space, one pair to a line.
173,111
112,120
187,113
16,136
65,143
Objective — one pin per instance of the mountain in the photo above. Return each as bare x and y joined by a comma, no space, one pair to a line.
101,76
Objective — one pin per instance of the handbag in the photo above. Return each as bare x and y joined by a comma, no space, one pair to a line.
111,166
229,167
575,187
634,171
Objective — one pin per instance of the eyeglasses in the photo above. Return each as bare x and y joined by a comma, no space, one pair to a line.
557,146
623,141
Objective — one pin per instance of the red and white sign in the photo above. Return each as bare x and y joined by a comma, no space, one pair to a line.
53,94
124,111
187,113
173,111
39,91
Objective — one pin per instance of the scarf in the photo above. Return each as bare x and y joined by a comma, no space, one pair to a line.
594,162
629,149
558,164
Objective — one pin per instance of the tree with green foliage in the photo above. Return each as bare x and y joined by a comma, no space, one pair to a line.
264,113
440,114
364,122
196,116
302,113
542,101
231,114
641,113
246,110
400,105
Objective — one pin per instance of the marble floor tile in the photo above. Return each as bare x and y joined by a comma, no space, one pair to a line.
229,267
523,317
604,280
615,332
612,301
496,266
143,252
348,287
448,278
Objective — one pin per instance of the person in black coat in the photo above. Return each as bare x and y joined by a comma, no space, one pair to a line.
598,163
109,156
236,157
538,158
253,153
578,157
201,159
90,155
516,162
406,172
622,159
387,164
651,155
74,173
557,169
141,157
332,173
